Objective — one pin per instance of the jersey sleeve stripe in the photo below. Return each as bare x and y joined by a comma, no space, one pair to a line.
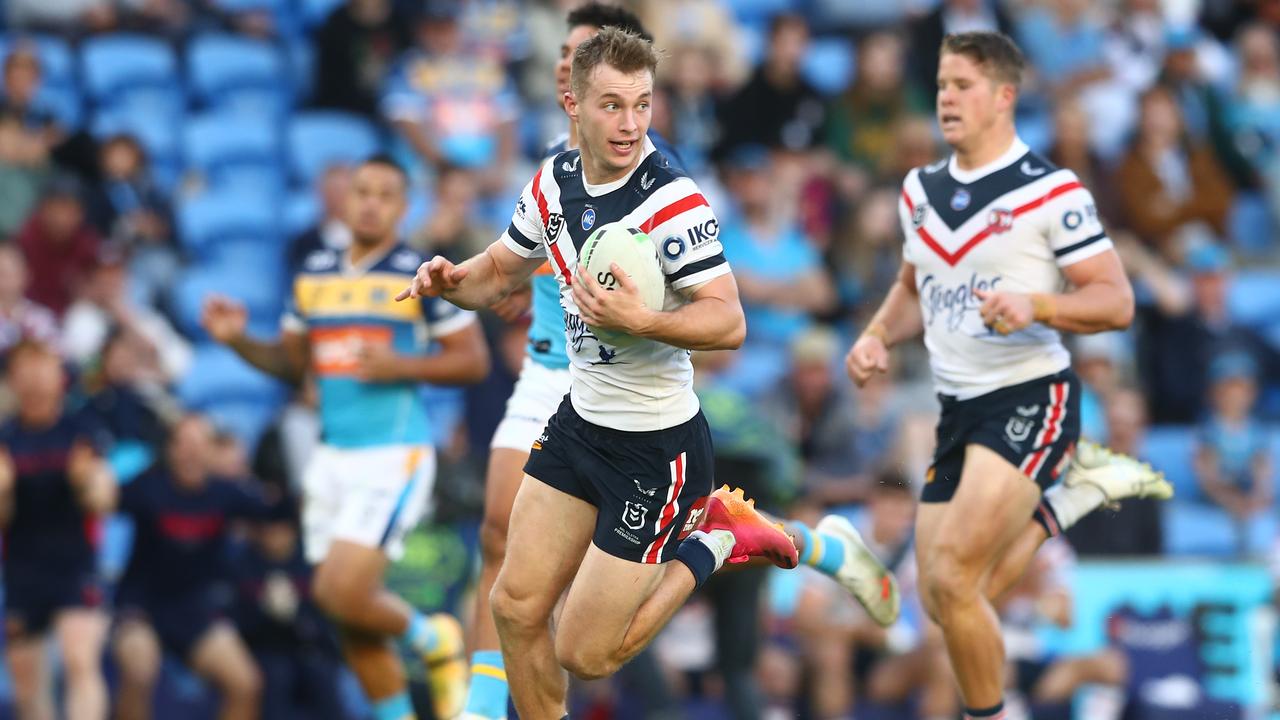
524,242
682,205
697,267
1076,246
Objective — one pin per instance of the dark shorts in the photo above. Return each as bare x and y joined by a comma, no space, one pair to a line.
179,621
32,600
649,487
1034,425
1027,674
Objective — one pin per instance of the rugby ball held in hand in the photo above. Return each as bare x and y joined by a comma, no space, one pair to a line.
635,253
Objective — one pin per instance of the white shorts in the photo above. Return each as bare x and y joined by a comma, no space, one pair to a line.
537,394
367,496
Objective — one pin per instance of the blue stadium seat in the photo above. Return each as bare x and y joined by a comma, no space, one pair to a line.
1192,528
246,420
1171,449
828,64
756,11
261,292
1253,297
229,71
1250,225
218,375
211,221
320,138
301,211
231,150
112,64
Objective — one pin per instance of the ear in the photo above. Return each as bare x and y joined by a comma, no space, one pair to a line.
1008,95
571,106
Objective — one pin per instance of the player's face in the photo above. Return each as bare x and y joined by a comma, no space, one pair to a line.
577,35
375,203
614,117
970,102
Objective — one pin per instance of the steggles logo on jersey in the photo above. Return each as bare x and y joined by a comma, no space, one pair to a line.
1000,221
953,302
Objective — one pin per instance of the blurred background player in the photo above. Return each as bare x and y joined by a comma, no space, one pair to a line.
175,596
991,234
54,489
370,481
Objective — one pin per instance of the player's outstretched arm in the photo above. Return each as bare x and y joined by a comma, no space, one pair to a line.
226,320
897,320
463,359
1102,299
478,282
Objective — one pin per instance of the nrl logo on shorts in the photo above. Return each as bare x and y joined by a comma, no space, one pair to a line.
1019,428
633,515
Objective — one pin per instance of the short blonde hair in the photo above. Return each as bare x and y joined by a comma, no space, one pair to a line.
621,50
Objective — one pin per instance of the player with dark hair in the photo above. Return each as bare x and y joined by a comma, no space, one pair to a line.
370,481
993,236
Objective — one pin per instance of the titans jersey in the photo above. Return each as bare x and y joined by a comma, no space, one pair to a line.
1008,226
643,384
343,309
546,327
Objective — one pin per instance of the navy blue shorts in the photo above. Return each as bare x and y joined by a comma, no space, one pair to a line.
1034,425
649,487
31,600
180,621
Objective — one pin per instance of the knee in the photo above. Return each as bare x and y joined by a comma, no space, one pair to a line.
1115,667
583,663
950,587
493,540
82,663
139,661
515,610
334,598
243,684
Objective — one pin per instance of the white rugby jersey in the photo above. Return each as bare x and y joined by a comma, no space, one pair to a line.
643,385
1010,225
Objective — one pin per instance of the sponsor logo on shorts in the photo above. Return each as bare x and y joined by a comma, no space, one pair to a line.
626,536
696,514
647,492
633,515
537,444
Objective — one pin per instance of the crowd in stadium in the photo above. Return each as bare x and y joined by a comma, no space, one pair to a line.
155,151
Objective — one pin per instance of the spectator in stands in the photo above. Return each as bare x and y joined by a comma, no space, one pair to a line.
450,106
54,489
1233,459
1072,149
950,16
777,108
1037,677
287,446
1136,528
330,232
451,229
847,654
290,638
1185,328
1097,360
843,442
864,120
21,319
355,49
174,594
686,115
771,255
27,134
67,17
60,246
868,250
1167,179
1064,42
129,209
105,302
1256,106
124,396
708,24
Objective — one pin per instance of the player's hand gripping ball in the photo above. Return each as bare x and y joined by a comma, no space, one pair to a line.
618,282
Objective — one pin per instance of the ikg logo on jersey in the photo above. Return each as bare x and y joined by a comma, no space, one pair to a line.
699,234
953,302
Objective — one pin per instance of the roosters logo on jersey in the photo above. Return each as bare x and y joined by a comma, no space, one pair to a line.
953,302
1000,221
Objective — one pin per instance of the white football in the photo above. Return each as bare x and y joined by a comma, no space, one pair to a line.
636,254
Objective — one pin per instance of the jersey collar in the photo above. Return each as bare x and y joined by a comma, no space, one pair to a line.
368,263
1010,156
597,190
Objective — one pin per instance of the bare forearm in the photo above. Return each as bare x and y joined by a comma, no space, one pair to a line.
98,493
1096,307
708,323
444,369
899,315
484,285
270,358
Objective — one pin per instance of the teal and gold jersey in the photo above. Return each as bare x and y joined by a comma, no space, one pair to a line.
343,309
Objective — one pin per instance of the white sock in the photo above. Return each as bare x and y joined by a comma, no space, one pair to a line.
1070,503
719,542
